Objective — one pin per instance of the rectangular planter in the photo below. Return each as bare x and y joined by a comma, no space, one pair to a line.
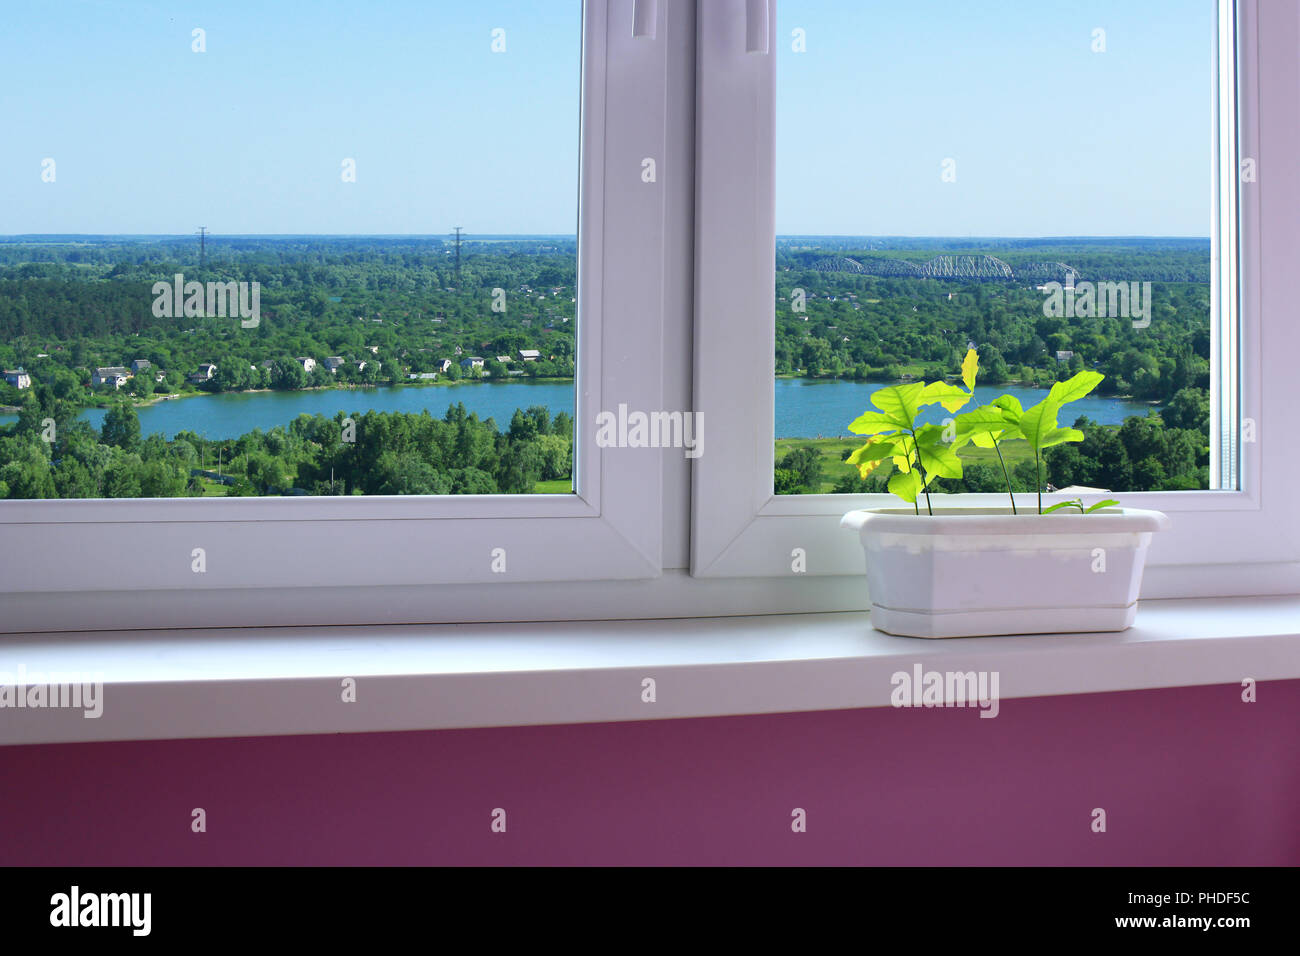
975,572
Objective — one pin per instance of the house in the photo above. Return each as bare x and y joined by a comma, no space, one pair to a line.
18,378
139,365
362,365
334,363
204,374
444,365
530,355
372,349
114,375
1064,356
504,359
470,362
306,362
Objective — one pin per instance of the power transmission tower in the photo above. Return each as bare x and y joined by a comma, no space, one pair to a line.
458,228
203,235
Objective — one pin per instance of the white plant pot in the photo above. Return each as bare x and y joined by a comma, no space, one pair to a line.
975,572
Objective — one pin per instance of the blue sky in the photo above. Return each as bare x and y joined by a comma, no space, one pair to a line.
1049,138
249,137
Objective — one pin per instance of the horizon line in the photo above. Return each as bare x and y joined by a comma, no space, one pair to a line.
449,237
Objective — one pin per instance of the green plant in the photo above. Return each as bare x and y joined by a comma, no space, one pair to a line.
921,453
1078,503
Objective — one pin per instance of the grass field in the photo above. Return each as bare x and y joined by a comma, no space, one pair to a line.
832,453
560,486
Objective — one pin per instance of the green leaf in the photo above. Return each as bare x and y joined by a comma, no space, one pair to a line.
1076,503
899,403
985,424
906,485
949,396
1059,436
1009,403
939,461
869,457
1038,422
873,423
874,450
1074,388
986,418
1101,504
970,366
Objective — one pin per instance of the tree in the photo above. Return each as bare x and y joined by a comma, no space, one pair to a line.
121,427
557,456
287,374
520,469
1190,409
805,464
266,473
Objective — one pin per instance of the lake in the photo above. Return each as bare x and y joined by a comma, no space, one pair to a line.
805,408
812,408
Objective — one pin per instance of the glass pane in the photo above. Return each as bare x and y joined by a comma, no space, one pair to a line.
263,249
1029,181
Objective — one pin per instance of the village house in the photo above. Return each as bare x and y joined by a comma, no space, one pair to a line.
334,363
306,362
1064,356
18,378
204,374
443,365
139,365
470,362
530,355
116,375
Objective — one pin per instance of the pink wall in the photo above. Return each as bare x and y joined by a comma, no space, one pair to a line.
1188,776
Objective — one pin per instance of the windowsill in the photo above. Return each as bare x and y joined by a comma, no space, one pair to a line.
264,681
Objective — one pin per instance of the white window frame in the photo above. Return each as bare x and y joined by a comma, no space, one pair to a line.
1222,542
610,528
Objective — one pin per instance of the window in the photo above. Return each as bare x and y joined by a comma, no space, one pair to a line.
315,342
680,199
417,112
1056,226
1225,537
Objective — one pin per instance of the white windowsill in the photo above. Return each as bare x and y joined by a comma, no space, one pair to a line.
262,681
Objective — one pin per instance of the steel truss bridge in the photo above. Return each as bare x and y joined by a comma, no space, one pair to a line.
978,268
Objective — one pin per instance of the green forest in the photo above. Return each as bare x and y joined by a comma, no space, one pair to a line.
407,311
882,328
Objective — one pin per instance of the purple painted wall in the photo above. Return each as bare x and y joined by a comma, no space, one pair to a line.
1188,776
